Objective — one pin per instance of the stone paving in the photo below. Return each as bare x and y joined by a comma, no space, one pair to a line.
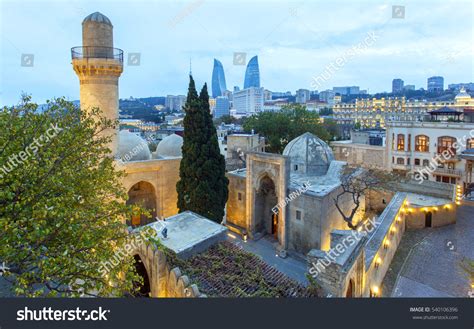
432,266
265,248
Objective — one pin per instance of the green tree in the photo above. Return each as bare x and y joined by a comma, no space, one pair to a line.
280,127
62,203
202,187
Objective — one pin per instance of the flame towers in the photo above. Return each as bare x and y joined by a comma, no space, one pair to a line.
218,79
252,74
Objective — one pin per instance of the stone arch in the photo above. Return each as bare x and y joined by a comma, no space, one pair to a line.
266,213
142,193
144,287
350,291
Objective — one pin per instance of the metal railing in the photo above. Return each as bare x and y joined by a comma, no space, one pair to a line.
97,52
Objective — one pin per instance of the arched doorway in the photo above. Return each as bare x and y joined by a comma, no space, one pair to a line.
350,289
143,288
428,217
266,221
142,194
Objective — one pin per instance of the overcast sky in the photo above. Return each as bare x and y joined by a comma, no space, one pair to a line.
294,40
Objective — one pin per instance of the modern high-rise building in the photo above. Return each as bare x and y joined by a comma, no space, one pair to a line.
302,96
248,101
397,86
218,79
435,84
175,103
252,74
222,107
347,90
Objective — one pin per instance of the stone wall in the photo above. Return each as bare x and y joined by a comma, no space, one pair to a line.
361,155
236,206
163,174
165,281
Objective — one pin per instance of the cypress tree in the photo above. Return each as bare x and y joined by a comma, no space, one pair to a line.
202,187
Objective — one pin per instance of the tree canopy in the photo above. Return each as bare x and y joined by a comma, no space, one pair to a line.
62,204
202,187
281,127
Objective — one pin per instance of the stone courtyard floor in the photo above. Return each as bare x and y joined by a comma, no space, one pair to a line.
428,261
265,248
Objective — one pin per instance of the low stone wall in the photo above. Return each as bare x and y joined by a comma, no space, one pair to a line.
165,281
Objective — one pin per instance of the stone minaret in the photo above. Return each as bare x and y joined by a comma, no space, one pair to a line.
99,65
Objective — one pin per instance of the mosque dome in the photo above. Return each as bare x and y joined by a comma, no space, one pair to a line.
97,17
309,155
463,95
132,147
170,146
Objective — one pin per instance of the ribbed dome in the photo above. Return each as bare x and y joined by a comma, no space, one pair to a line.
170,146
97,17
309,155
132,147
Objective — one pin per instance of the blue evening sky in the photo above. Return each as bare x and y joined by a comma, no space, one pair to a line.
294,40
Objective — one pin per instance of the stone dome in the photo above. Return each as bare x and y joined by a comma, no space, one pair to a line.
170,146
132,147
309,155
97,17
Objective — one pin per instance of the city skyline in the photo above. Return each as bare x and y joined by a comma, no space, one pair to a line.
293,47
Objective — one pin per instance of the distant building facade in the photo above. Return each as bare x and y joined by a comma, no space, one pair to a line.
175,103
435,84
222,107
397,86
248,101
302,96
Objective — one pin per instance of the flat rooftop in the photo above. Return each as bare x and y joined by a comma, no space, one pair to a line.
419,200
189,233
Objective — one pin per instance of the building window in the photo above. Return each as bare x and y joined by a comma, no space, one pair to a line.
445,143
422,143
417,162
400,161
393,159
409,143
298,215
408,161
240,196
470,143
426,163
296,167
393,141
400,142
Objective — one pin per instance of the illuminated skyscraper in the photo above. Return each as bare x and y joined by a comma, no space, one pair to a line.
252,74
218,79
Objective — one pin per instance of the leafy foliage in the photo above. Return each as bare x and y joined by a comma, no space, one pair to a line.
202,187
281,127
62,204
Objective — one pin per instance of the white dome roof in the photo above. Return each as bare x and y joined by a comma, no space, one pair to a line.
462,94
98,18
309,155
170,146
132,147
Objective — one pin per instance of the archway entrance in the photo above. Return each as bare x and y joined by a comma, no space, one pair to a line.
428,216
266,221
350,289
143,288
142,194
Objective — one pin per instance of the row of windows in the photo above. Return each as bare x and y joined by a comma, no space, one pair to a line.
422,143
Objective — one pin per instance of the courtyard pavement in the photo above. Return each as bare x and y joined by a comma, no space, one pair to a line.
265,248
431,266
